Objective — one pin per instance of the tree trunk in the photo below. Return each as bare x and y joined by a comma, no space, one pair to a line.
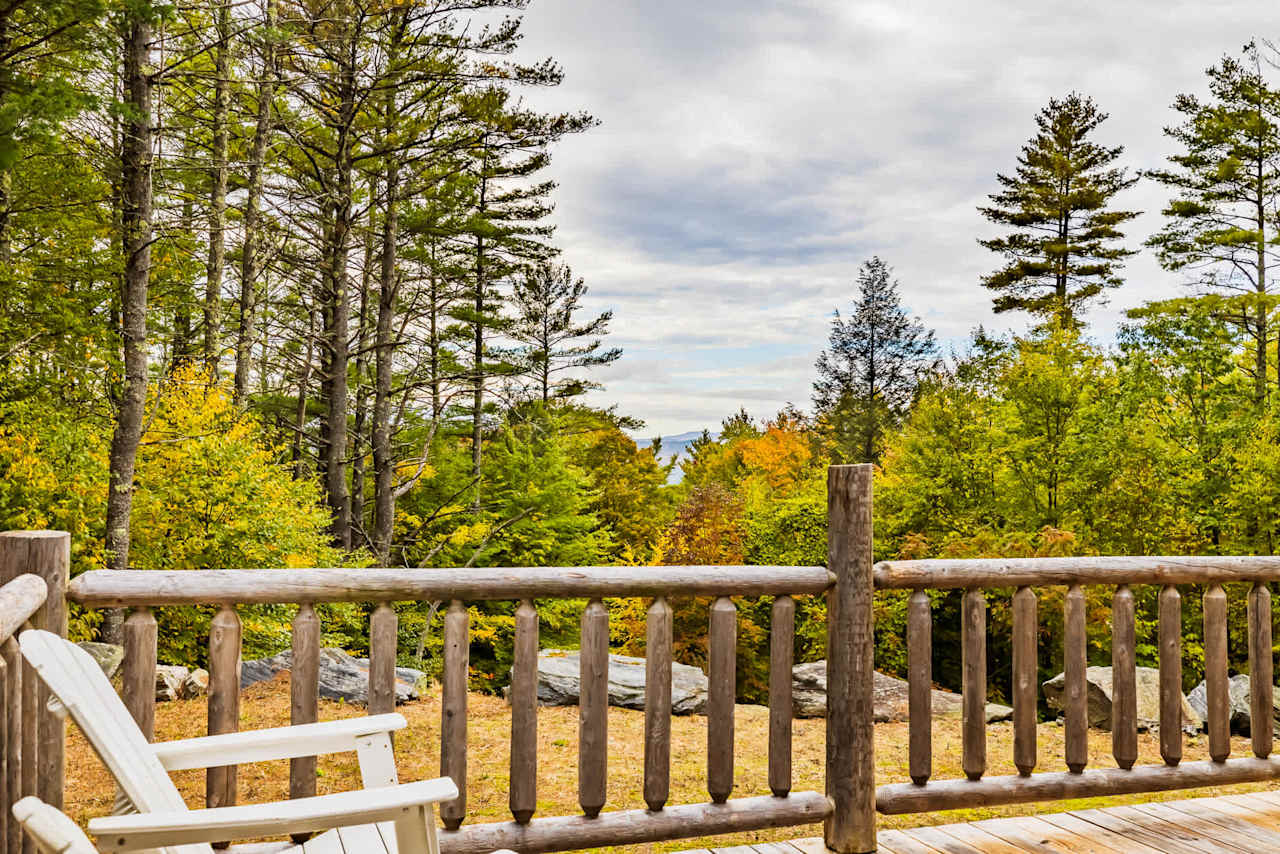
362,370
250,262
477,354
135,170
300,409
217,195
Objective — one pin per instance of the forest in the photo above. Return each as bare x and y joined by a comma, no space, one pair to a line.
279,287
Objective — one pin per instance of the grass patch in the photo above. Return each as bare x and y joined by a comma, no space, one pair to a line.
90,789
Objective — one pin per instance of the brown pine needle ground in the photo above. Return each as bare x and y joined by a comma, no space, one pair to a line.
90,789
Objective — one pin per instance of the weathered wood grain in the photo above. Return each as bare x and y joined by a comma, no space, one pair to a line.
920,686
14,673
20,599
657,704
224,699
304,694
1124,688
383,625
721,686
1075,697
635,827
850,674
782,638
453,711
949,573
1261,679
117,588
1215,672
973,644
1025,687
1170,605
138,680
593,709
523,798
899,798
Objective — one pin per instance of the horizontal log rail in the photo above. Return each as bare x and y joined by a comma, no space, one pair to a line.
635,827
900,798
940,574
151,588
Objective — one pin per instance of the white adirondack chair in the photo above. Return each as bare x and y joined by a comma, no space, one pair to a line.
385,816
50,828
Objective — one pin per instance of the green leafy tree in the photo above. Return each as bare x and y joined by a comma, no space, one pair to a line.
1063,247
1220,225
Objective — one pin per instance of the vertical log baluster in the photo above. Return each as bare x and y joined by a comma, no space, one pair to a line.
1261,686
453,712
721,687
49,556
7,755
139,669
1076,696
224,699
782,639
304,697
657,705
851,759
973,642
1025,628
1170,675
13,740
593,709
1124,687
523,798
383,643
920,686
1215,673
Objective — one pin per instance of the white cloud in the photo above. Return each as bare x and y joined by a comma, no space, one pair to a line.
753,154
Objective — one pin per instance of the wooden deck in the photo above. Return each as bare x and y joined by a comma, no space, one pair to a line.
1230,824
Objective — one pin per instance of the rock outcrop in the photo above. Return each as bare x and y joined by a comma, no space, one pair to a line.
342,677
1241,714
558,682
1099,698
889,697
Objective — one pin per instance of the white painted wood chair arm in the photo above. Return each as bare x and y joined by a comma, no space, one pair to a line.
302,815
261,745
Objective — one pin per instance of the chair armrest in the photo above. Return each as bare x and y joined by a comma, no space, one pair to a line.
260,745
302,815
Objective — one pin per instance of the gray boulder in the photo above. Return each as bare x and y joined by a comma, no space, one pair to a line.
196,684
558,682
1098,697
169,679
342,677
108,655
1241,716
889,699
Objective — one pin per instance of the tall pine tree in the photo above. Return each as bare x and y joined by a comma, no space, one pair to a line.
1063,248
868,374
1221,224
546,300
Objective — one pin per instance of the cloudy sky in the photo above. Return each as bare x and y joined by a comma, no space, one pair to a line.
752,154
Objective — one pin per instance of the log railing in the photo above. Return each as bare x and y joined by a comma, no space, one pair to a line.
1120,573
33,575
847,806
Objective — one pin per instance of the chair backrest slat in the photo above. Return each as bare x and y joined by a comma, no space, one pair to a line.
81,686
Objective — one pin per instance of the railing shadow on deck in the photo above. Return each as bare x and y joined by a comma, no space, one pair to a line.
850,802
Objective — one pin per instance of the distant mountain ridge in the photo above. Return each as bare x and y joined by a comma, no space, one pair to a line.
676,448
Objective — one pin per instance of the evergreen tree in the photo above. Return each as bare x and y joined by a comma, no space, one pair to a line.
1062,250
868,374
1220,225
546,300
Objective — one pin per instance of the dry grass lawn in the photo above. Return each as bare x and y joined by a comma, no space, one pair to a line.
89,787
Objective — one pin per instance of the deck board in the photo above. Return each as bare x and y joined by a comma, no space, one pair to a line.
1228,824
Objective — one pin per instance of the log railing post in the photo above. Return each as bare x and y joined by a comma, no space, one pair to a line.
224,699
48,555
851,764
